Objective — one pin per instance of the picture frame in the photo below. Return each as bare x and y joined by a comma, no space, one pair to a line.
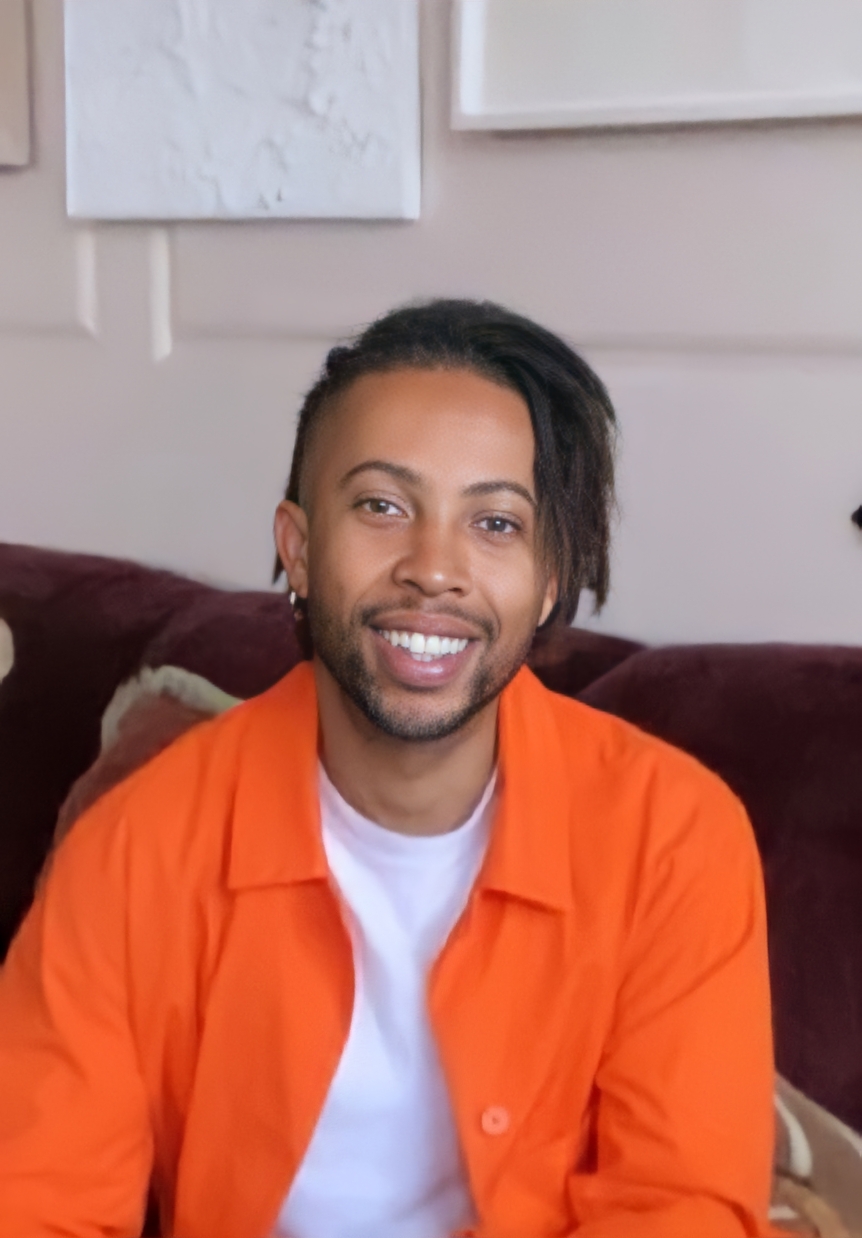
14,85
558,64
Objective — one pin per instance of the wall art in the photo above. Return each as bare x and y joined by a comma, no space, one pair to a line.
593,63
237,109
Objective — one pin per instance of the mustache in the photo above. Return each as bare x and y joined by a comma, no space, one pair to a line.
368,614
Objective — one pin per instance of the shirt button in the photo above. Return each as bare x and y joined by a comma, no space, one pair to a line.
495,1120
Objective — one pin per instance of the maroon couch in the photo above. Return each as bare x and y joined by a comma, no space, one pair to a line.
781,724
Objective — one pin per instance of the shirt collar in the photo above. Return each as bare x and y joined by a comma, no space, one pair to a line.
276,835
528,856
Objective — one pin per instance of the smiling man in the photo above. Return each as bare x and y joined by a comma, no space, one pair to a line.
409,946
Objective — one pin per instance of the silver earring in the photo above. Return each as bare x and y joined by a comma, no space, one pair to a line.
291,597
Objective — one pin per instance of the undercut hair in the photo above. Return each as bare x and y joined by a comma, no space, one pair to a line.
574,425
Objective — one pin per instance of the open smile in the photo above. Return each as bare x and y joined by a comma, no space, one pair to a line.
423,659
425,648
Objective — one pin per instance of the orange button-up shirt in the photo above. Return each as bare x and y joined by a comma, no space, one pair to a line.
178,998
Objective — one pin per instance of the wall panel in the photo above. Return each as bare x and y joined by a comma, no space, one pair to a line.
730,237
737,480
150,377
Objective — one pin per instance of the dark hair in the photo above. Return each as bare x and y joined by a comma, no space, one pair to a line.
573,419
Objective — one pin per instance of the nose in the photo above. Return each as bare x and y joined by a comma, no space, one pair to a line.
435,561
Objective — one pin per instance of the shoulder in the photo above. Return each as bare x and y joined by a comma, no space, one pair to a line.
642,786
611,742
176,810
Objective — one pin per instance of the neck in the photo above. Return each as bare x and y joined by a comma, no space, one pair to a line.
412,787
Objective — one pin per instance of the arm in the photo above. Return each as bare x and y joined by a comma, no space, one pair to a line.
75,1139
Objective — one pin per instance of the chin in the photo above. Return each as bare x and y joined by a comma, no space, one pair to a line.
405,716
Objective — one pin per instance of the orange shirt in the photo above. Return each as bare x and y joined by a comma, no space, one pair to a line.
177,1000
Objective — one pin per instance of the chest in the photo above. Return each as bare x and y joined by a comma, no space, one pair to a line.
519,1000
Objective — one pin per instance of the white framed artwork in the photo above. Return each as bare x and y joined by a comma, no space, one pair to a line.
240,109
533,64
14,92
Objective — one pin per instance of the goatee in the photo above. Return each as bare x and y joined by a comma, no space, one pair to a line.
339,647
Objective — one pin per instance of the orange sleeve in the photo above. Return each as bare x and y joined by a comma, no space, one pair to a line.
75,1138
685,1110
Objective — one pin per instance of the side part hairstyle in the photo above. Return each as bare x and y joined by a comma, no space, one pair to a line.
573,419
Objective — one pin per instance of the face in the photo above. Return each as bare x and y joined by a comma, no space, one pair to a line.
417,547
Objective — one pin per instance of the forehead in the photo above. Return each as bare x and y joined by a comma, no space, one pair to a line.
453,427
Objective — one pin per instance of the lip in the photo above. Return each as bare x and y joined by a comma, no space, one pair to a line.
410,673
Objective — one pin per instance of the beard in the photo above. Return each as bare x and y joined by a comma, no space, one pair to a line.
339,647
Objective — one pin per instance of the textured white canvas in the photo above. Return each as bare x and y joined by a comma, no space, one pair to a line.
14,99
232,109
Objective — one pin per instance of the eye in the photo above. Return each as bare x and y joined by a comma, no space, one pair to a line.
500,525
381,507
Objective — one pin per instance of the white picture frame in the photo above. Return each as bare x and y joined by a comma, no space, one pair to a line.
552,64
14,85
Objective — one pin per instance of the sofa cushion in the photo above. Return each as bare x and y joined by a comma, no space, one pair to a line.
814,896
783,726
567,659
81,624
242,642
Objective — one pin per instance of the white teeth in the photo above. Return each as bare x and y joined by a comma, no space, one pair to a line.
425,648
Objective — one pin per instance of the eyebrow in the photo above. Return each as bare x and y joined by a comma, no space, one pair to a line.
399,471
411,478
495,487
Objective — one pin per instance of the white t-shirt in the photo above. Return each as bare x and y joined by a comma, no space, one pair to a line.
384,1160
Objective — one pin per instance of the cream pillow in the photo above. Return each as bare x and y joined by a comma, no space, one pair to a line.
191,690
818,1169
7,649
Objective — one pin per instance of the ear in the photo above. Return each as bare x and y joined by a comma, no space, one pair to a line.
550,599
291,539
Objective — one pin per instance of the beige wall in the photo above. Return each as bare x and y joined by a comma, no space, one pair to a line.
149,377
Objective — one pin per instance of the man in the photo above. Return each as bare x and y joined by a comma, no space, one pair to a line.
408,946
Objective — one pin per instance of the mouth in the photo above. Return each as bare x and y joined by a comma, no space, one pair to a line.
423,660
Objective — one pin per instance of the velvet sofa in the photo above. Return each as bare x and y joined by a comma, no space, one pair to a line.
781,724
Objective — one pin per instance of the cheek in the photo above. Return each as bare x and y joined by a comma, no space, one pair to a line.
344,563
515,592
